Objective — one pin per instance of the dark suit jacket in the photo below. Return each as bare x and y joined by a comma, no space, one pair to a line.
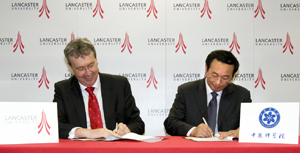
118,104
190,106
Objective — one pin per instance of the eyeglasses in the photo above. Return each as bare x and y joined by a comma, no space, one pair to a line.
83,70
217,78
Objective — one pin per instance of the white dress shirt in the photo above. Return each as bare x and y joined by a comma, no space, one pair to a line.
85,95
209,97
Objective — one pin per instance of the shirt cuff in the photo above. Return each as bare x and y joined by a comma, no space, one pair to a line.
72,133
190,131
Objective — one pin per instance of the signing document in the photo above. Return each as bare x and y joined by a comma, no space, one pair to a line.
128,136
214,138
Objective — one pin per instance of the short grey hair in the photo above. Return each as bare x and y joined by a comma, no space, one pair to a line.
79,47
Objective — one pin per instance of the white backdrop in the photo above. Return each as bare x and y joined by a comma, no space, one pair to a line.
165,44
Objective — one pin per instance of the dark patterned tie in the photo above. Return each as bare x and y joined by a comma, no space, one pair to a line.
94,110
212,112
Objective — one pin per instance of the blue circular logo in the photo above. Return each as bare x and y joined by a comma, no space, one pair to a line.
269,117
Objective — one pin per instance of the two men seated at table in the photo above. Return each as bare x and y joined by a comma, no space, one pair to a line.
214,99
92,104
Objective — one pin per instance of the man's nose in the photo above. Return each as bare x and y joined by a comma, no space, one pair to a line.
218,81
87,71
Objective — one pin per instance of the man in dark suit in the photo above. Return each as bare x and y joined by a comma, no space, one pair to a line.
190,109
116,106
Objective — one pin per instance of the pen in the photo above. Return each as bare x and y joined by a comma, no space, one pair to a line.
204,120
206,124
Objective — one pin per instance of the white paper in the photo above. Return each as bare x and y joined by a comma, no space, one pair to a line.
215,138
130,136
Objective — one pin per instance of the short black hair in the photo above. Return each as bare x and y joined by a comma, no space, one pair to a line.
224,57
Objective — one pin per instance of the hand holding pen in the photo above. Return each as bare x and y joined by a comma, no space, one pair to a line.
121,129
202,130
206,124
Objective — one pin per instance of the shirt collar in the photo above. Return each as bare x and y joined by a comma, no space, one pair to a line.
209,90
96,85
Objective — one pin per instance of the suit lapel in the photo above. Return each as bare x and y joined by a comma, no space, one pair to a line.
108,101
201,98
225,102
78,102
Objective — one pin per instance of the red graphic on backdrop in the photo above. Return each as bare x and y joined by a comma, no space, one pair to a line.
260,79
19,43
99,9
44,79
288,44
44,123
206,9
152,9
259,9
152,79
235,44
180,44
126,43
45,9
72,36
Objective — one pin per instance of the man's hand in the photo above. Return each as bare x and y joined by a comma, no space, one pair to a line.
202,130
231,133
94,133
122,129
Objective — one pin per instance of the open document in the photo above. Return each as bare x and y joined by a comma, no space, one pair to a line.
214,138
130,136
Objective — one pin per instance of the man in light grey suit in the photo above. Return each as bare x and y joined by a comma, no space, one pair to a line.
116,103
190,108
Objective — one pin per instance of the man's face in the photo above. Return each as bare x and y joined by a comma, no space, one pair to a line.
219,75
85,69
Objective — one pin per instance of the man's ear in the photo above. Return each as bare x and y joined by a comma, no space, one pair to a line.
71,68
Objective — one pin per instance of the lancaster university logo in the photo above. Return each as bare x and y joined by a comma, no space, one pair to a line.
186,76
186,6
206,9
180,44
127,6
288,44
234,44
99,9
44,123
45,9
24,6
138,76
72,36
73,6
152,9
290,7
240,6
260,79
152,79
126,43
44,79
260,10
19,43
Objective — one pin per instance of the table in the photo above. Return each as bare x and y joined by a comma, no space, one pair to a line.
174,144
